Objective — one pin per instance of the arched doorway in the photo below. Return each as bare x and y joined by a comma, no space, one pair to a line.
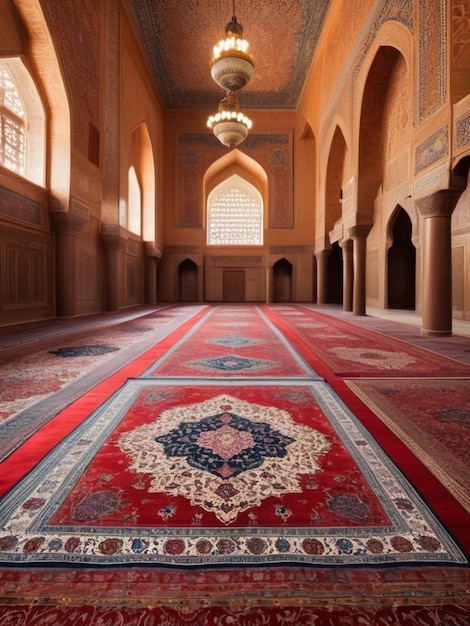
334,285
282,281
187,275
401,263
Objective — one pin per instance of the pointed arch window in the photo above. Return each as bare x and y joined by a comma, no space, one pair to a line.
235,214
135,203
12,124
22,122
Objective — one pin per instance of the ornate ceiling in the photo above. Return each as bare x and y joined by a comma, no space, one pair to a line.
178,38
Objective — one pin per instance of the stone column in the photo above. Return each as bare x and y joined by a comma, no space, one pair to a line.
67,227
114,240
348,274
322,274
358,235
110,227
152,256
436,210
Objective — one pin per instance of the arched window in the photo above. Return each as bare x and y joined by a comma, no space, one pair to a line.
22,122
135,203
235,214
12,124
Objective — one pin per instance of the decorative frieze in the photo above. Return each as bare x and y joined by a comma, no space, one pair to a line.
463,131
289,249
432,41
181,249
431,178
19,207
432,149
236,260
79,209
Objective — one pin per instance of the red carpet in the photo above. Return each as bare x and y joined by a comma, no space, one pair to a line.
348,351
221,447
66,615
232,341
432,417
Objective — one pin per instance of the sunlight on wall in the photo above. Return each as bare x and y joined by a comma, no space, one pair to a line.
135,204
22,122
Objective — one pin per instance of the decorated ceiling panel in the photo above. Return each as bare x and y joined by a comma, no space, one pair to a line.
178,38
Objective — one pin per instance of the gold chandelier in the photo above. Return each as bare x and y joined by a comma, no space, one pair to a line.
231,68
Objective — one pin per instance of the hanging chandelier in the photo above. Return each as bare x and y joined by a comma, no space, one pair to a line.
229,124
231,68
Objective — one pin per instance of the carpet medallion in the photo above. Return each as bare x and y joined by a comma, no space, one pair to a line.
168,473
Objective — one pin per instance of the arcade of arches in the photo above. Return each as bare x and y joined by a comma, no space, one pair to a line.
360,195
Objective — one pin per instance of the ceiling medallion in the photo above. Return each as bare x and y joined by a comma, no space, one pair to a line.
231,68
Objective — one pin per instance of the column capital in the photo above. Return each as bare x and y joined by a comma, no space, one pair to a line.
66,223
150,250
441,203
346,245
322,254
359,231
113,236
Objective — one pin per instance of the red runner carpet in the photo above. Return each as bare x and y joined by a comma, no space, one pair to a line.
348,351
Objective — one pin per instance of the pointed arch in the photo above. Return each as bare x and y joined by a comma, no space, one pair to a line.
188,281
234,213
138,214
371,135
334,180
235,173
144,163
41,62
282,281
401,262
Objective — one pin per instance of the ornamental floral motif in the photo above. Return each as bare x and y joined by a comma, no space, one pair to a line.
381,359
231,364
236,341
225,444
220,454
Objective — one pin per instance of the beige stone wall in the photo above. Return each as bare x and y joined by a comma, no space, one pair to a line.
96,90
388,76
195,162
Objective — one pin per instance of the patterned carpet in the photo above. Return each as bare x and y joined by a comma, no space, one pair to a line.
433,418
224,471
347,350
38,383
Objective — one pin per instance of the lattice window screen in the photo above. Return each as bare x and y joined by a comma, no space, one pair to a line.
235,214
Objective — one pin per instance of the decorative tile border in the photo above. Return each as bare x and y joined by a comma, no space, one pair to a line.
432,149
13,204
431,178
463,131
